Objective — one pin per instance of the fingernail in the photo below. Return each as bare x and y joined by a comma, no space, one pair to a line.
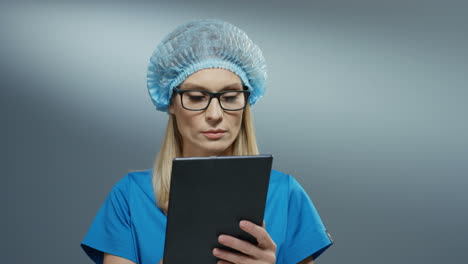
221,238
244,224
215,251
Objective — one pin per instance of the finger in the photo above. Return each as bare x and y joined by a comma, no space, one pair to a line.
240,245
262,236
231,257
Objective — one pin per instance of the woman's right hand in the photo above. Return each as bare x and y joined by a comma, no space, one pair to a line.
160,262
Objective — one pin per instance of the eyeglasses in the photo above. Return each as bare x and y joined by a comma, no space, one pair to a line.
196,100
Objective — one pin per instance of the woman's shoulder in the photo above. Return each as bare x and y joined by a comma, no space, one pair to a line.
280,181
277,176
133,177
136,180
138,176
285,181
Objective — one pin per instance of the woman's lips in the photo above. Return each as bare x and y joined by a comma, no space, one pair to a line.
214,134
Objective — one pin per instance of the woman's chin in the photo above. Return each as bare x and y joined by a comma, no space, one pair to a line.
217,150
209,148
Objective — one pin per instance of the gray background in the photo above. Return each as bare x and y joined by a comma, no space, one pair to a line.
366,107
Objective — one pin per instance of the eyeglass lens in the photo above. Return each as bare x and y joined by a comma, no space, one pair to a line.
199,100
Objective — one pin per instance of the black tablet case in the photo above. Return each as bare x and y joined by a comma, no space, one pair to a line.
208,197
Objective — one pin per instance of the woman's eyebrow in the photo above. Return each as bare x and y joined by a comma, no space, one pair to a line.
190,86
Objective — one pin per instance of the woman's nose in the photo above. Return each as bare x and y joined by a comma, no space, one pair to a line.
214,110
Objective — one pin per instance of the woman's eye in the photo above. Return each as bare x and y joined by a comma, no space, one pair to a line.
230,98
196,98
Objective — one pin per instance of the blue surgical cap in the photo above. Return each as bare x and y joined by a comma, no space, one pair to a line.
203,44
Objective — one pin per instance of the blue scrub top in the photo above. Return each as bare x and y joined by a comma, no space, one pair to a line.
130,225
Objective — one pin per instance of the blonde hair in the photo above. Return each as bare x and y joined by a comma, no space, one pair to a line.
244,144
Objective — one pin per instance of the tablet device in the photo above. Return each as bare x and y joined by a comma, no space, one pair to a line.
209,196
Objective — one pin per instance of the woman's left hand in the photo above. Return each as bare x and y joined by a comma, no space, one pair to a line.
264,252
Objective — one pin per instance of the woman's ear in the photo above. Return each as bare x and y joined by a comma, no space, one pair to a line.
170,108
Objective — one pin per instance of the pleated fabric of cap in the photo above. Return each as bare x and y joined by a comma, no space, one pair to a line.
203,44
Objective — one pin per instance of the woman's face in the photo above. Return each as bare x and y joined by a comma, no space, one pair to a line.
194,126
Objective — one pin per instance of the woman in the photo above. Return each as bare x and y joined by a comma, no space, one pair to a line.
205,74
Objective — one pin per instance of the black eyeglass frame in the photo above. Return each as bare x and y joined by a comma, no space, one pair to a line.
215,95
